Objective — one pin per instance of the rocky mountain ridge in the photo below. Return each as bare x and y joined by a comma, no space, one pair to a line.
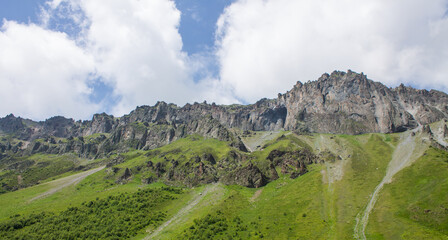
340,102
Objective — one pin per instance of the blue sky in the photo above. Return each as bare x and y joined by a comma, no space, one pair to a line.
197,26
198,23
79,57
22,11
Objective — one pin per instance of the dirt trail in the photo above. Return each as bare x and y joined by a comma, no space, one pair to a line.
184,211
65,182
405,153
256,195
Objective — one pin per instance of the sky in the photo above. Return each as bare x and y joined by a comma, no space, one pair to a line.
75,58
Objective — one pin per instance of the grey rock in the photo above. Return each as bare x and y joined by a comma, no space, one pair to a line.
344,103
445,131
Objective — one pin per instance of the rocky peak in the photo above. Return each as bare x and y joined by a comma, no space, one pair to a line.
101,123
340,102
11,124
58,126
350,103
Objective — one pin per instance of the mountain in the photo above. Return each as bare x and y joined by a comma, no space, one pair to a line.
341,157
342,103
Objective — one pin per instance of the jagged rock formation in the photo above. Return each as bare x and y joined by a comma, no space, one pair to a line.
350,103
340,102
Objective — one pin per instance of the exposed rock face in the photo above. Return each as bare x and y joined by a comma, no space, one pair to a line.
340,102
101,123
249,176
350,103
293,162
273,172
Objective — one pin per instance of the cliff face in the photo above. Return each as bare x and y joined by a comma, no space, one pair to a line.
350,103
342,102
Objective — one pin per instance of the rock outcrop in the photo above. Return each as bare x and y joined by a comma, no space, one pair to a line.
291,162
345,103
248,176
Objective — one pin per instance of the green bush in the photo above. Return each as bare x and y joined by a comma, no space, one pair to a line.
115,217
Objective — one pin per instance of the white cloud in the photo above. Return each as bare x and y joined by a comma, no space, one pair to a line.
265,46
137,50
43,73
133,46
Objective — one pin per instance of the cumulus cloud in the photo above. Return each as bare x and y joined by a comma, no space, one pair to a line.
265,46
137,49
133,47
43,73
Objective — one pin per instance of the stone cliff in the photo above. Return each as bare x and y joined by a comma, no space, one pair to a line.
346,103
350,103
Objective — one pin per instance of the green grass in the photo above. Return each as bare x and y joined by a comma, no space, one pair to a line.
364,171
92,188
303,208
415,204
115,217
285,209
205,206
182,150
41,167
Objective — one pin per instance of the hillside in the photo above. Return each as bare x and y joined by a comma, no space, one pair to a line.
342,157
325,200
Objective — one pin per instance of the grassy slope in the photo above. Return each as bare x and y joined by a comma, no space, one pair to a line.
184,149
93,187
415,204
43,168
206,205
285,209
308,207
99,185
365,169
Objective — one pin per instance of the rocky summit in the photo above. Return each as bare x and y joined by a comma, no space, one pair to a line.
340,103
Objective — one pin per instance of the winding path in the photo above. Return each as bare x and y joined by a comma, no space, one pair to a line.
65,182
